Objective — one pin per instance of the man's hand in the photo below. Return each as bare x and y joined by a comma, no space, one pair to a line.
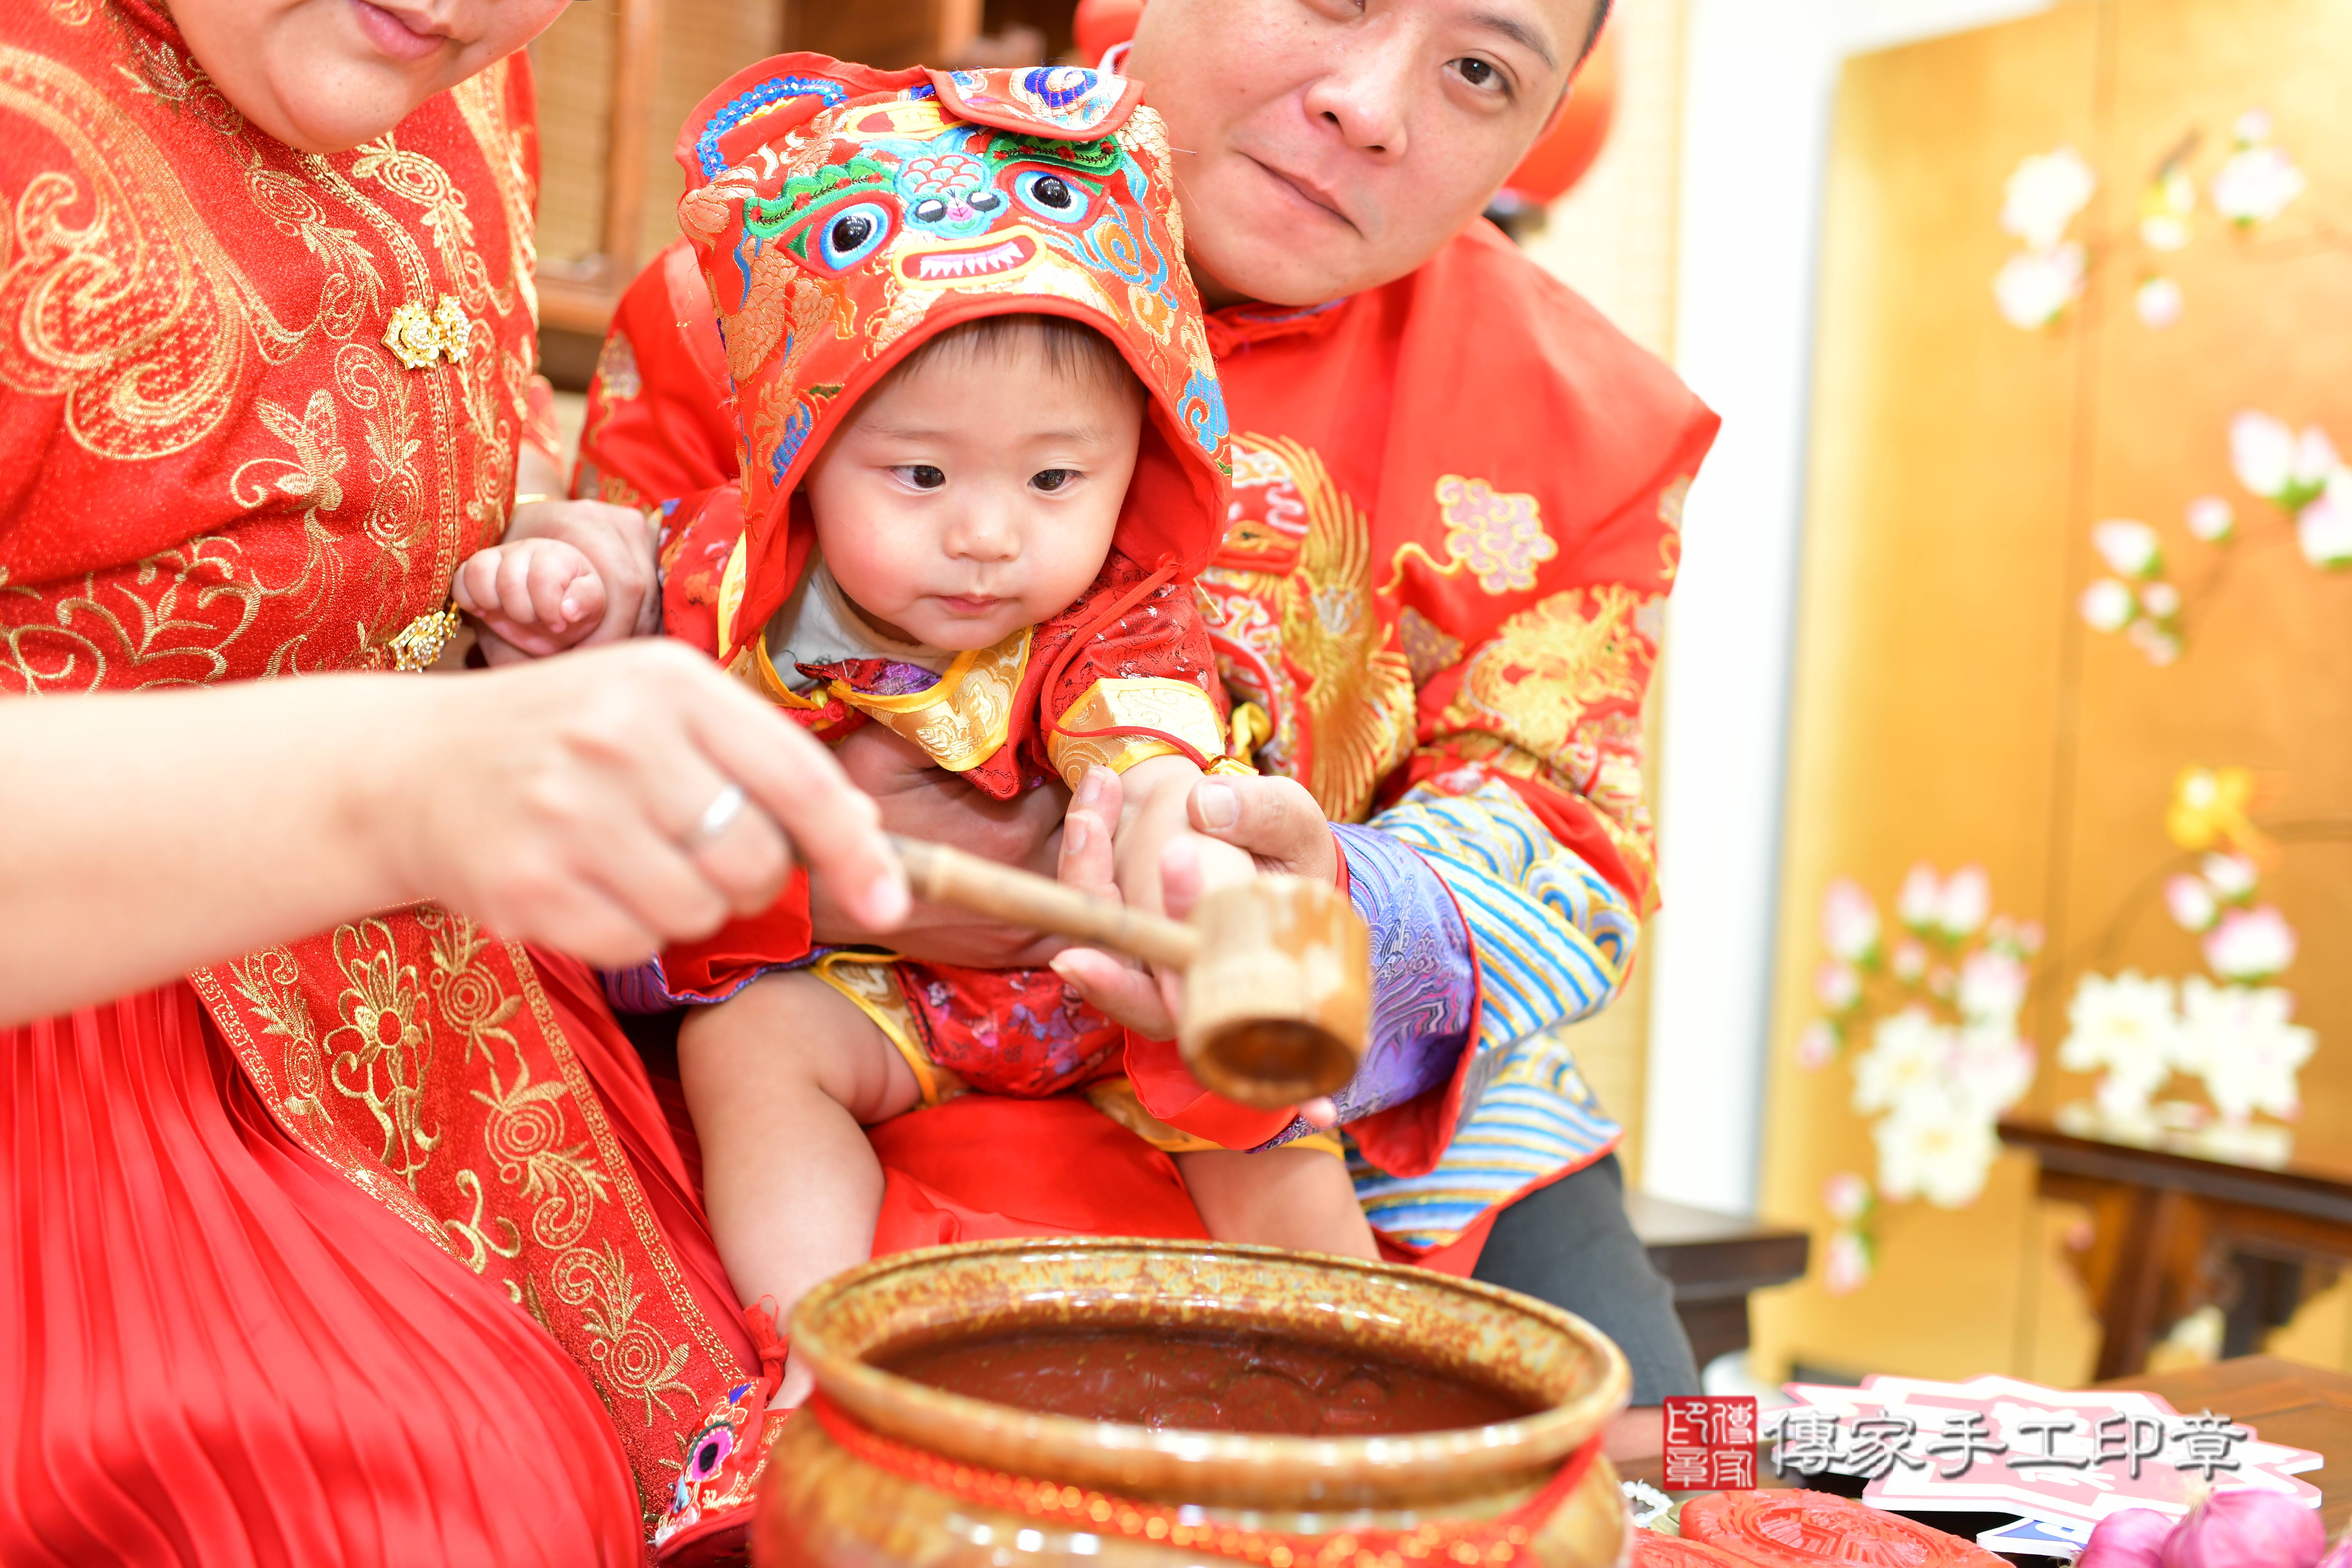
1279,827
922,800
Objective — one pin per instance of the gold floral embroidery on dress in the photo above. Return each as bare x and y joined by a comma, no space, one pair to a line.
1498,535
524,1133
272,982
502,1239
172,618
481,102
115,295
1177,707
963,717
381,1053
425,185
627,1351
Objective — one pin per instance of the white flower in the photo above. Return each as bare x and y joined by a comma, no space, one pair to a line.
2108,605
1991,1067
1919,896
2212,519
1817,1045
2191,902
1845,1264
1837,986
2159,301
1910,961
2255,185
2033,287
1966,902
2250,944
2161,600
2045,193
2232,877
1935,1148
2129,548
2129,1027
1846,1195
2239,1040
1849,921
2161,644
2323,527
2276,464
1909,1055
2252,128
1991,988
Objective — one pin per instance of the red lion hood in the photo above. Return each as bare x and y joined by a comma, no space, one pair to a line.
843,215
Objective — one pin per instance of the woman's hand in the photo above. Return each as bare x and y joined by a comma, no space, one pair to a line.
580,803
618,542
922,800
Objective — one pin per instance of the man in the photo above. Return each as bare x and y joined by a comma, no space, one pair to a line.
1456,499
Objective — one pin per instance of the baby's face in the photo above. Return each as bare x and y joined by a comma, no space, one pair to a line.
975,495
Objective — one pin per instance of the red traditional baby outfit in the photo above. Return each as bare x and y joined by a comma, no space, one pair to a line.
841,218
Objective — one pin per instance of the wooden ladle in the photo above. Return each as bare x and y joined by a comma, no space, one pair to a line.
1277,970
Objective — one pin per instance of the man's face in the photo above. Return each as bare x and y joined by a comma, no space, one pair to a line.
1326,146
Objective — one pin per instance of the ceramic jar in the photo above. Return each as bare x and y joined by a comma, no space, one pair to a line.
897,1472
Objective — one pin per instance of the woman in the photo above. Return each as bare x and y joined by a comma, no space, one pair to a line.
1458,496
351,1249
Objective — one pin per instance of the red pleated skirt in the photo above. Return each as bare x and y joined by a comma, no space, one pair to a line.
216,1349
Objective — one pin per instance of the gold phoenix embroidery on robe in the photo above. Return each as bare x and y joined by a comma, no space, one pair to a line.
1556,695
1314,650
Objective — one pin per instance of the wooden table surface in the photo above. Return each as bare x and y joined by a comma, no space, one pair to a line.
2284,1402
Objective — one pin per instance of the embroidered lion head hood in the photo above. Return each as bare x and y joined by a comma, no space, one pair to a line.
844,215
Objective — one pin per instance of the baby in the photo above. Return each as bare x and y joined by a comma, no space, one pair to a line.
984,455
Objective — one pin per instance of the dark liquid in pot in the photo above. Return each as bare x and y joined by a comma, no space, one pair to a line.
1205,1383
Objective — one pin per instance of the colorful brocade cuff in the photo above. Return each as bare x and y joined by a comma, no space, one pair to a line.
1424,977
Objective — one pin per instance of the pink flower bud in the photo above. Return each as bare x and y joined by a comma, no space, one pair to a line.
2241,1528
2132,1538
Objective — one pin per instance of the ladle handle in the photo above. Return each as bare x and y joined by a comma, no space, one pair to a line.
1023,898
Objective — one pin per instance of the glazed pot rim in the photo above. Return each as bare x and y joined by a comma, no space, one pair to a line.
983,1432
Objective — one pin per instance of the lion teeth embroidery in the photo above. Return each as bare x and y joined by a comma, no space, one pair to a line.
970,263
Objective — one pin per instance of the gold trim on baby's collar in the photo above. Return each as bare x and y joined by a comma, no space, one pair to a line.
964,716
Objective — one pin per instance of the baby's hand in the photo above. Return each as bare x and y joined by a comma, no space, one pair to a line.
540,595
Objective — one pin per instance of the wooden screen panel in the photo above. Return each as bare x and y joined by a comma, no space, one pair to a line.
1950,706
1931,614
2266,681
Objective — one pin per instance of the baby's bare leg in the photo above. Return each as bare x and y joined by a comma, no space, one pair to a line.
780,1080
1297,1198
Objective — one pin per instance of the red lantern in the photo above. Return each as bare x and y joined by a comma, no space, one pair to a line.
1099,23
1562,153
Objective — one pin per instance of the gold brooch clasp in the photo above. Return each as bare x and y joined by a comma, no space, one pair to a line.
418,645
417,339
